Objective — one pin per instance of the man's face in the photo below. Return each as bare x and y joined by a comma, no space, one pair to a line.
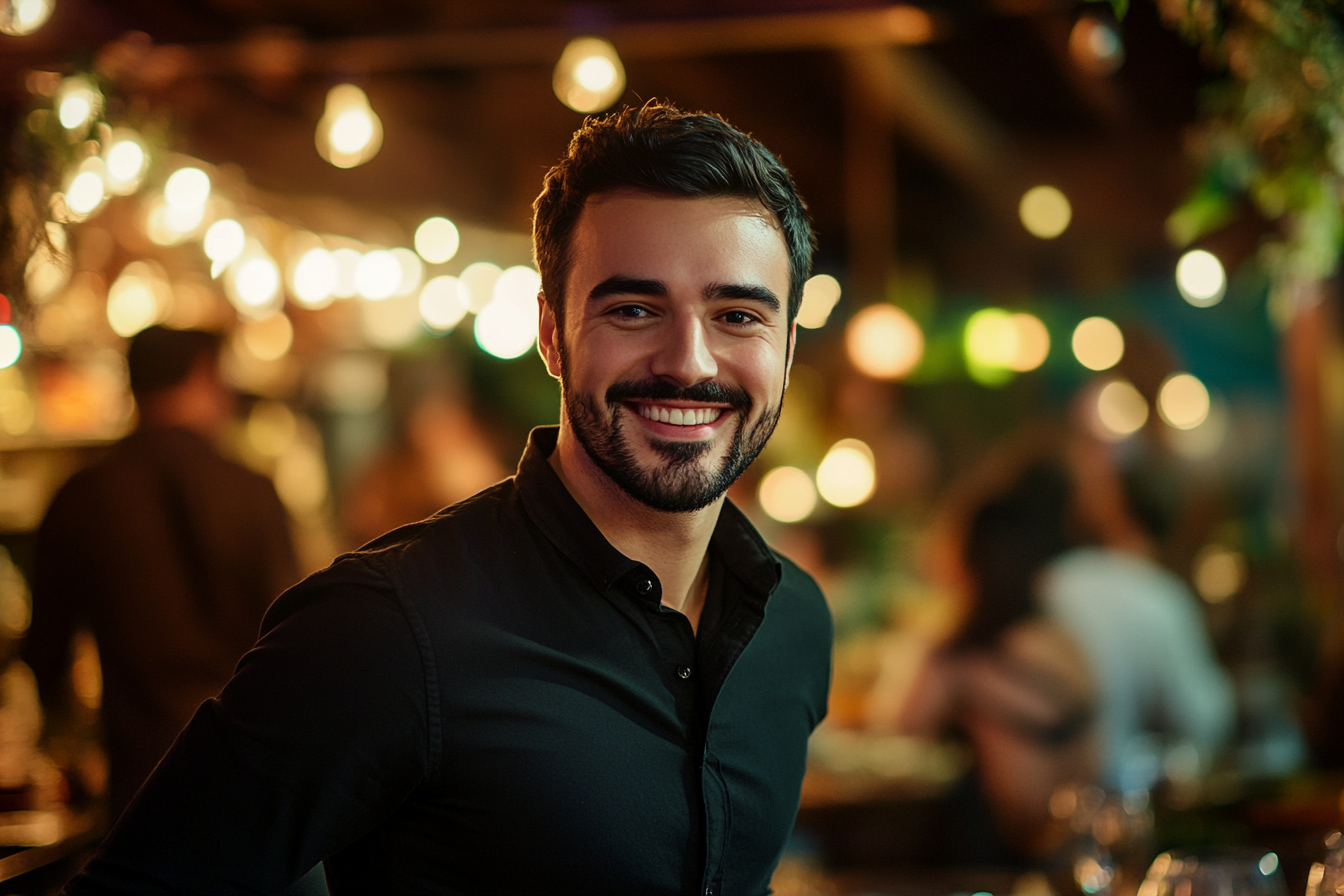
675,348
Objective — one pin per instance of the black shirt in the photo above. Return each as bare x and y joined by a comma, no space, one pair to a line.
495,701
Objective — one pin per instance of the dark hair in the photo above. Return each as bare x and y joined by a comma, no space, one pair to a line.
159,358
661,149
1010,539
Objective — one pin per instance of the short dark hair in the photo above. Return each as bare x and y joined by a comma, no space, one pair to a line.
661,149
160,358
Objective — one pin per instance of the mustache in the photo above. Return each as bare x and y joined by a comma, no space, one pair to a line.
661,390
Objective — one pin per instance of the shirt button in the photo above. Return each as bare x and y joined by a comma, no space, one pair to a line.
684,671
644,586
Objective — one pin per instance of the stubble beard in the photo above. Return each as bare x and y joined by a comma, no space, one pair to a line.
684,482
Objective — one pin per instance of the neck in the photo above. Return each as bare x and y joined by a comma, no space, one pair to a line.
674,545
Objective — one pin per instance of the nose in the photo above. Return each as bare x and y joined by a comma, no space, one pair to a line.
683,354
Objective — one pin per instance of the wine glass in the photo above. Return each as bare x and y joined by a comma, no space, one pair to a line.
1221,873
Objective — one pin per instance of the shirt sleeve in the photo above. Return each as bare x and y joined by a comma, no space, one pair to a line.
319,736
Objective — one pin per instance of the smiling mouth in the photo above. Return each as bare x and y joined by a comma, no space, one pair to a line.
679,416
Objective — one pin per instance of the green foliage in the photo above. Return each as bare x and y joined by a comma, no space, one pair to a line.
1119,7
1273,135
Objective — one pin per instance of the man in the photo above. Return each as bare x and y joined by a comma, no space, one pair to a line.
591,678
167,551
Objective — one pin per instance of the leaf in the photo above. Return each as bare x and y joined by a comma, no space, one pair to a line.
1119,7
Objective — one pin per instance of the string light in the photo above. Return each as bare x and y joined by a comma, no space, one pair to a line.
787,494
442,305
1200,278
1098,343
378,275
884,342
224,242
313,280
78,103
86,191
127,162
589,76
11,346
437,240
19,18
1121,410
821,293
1045,212
1183,401
847,476
350,132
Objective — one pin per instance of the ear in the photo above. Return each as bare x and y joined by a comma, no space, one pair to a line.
788,352
548,336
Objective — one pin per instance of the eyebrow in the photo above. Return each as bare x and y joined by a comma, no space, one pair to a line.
637,286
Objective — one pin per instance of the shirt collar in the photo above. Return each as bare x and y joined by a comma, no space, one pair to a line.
550,505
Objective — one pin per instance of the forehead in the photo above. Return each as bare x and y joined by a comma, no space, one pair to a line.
722,239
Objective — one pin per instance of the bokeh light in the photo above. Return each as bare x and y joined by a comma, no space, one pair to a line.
127,161
224,242
1121,410
1095,46
87,190
350,132
507,326
169,225
478,279
437,240
990,339
412,271
847,476
1205,440
49,267
19,18
377,275
11,346
589,76
1200,278
187,188
1218,573
787,494
820,295
347,272
268,338
1098,343
271,428
1045,212
1183,401
139,297
884,342
312,281
391,323
442,305
253,282
78,103
1033,342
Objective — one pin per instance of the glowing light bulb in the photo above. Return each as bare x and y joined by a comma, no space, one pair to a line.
787,494
378,275
313,281
87,190
224,242
187,189
1098,343
847,476
19,18
350,132
884,342
1200,278
505,329
589,76
821,293
437,240
253,282
1045,212
1183,401
1121,410
78,103
139,297
127,162
442,304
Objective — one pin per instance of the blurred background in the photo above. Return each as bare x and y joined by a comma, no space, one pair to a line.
1110,229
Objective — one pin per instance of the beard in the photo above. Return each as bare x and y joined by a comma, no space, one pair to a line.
685,480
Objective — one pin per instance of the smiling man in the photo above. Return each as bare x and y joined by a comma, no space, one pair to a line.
594,677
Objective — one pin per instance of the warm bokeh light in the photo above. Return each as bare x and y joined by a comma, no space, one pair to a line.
412,271
224,242
847,476
1121,410
347,271
1098,343
271,428
1200,278
990,339
391,323
507,326
350,132
1183,401
187,188
1218,573
1205,440
478,279
253,282
377,275
48,268
19,18
169,225
437,240
11,346
268,338
820,295
441,303
787,494
140,296
884,342
312,282
1045,212
519,284
1095,46
127,161
1033,342
78,103
87,190
589,76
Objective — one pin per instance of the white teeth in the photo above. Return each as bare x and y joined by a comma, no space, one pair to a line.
680,416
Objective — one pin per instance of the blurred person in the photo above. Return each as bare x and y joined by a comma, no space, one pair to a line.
438,455
1140,627
166,551
594,677
1010,682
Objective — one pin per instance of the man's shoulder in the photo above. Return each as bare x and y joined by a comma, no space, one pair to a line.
799,602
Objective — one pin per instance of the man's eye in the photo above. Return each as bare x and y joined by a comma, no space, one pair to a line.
633,312
739,318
